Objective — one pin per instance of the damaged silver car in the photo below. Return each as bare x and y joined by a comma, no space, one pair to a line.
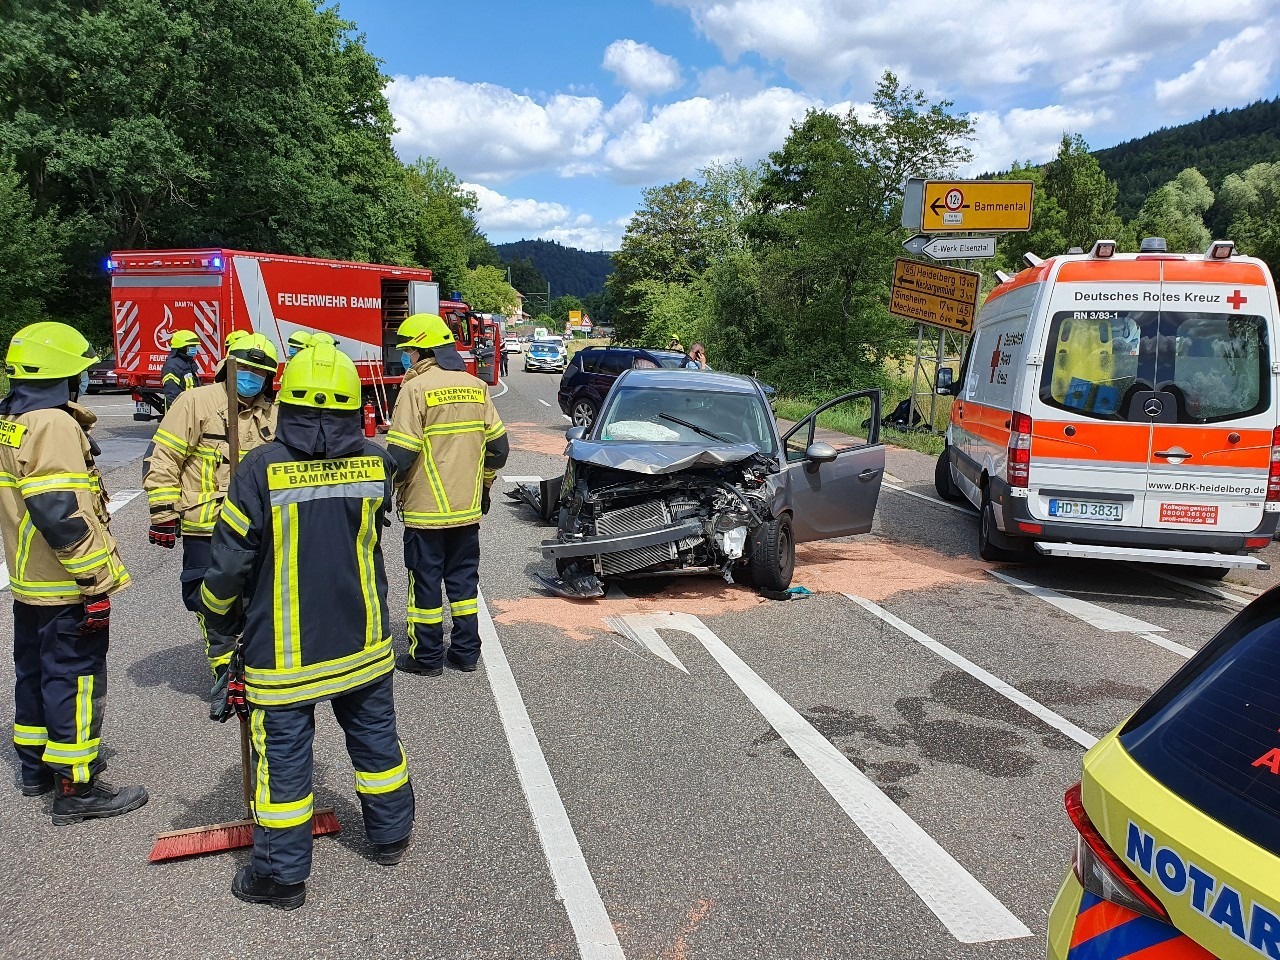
684,472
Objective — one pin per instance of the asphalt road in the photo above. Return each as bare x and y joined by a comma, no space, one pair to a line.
717,776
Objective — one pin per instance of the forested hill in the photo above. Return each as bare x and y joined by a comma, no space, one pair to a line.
571,272
1217,145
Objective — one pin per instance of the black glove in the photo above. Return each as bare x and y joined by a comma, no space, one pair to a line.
164,534
485,502
220,709
97,614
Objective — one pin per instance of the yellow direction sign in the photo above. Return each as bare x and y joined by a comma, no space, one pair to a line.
961,206
939,296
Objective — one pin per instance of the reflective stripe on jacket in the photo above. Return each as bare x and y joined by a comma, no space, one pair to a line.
447,420
187,468
53,510
303,540
179,374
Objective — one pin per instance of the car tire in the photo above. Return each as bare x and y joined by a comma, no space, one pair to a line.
773,560
942,481
582,413
987,529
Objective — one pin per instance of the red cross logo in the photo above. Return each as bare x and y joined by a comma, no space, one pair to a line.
995,359
1236,299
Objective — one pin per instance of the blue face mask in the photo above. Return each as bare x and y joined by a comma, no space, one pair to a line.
248,383
292,351
192,351
406,361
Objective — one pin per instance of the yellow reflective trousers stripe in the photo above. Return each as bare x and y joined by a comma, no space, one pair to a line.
25,735
277,816
80,754
385,781
464,608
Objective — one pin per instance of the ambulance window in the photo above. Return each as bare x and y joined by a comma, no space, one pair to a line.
1218,364
1093,359
1212,733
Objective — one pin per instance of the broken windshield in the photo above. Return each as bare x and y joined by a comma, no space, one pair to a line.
653,415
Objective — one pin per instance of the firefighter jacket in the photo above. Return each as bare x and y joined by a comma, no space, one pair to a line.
179,373
448,442
299,543
187,468
53,509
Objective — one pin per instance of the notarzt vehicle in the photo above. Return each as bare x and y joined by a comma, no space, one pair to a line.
685,472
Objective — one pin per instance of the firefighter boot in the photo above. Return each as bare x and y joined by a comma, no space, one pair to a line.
73,802
251,888
389,854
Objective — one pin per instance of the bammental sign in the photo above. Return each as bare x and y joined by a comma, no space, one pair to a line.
962,206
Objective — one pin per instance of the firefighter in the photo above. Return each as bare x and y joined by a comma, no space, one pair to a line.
180,371
298,340
299,544
409,328
186,468
449,442
63,569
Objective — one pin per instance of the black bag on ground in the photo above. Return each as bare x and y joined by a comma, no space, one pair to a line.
902,417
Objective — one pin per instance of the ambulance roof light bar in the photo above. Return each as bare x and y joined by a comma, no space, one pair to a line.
1031,260
1103,250
1002,276
1220,250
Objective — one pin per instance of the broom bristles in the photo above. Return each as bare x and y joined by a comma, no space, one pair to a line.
221,837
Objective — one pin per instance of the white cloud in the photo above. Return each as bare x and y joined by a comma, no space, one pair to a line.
1022,134
741,82
498,212
1236,70
641,68
489,133
1106,77
681,137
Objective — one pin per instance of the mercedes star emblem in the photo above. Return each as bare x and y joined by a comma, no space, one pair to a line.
1153,407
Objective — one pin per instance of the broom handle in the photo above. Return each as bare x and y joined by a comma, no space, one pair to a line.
233,454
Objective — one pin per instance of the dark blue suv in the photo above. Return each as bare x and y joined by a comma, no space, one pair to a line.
591,372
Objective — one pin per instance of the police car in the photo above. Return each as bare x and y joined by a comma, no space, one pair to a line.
1178,814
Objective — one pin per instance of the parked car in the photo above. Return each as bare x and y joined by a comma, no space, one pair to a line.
1178,813
512,346
593,370
684,471
102,376
545,355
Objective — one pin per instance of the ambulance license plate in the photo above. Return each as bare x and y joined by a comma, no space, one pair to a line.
1086,510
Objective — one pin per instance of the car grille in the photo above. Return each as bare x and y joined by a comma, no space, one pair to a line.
642,516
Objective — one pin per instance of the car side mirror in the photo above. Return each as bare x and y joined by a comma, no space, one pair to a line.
944,385
575,433
820,452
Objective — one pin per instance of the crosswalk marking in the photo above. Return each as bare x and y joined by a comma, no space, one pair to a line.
966,908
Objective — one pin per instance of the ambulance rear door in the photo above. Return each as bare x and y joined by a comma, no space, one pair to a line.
1213,408
1090,442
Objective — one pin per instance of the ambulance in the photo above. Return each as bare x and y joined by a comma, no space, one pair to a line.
1121,406
215,291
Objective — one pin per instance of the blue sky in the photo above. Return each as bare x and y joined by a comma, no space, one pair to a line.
557,115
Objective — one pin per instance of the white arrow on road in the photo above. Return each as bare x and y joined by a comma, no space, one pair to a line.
969,910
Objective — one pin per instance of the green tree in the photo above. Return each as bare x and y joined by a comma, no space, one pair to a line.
1176,212
31,267
527,278
485,289
1083,199
1250,205
560,308
440,225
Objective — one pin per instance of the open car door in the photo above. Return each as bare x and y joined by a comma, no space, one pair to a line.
834,478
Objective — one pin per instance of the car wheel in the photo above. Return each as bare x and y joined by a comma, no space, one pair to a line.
987,529
773,561
583,413
942,481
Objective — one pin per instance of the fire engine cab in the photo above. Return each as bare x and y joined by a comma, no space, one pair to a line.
213,292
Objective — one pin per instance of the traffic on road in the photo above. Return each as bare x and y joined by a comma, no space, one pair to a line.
883,756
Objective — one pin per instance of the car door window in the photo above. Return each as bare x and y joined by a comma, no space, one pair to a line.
847,423
614,362
589,360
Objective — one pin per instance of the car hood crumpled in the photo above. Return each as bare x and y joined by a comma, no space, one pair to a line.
651,458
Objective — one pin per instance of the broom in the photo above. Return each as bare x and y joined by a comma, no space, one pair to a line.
238,834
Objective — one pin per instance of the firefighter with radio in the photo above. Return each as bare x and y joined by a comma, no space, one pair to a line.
186,467
448,441
299,544
180,372
63,569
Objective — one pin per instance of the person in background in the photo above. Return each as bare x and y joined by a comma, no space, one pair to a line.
298,340
675,344
63,569
180,372
697,359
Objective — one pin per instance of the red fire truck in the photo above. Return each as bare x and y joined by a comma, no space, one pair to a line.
215,291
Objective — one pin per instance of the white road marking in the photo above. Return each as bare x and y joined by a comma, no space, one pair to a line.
1009,692
567,417
117,501
644,635
505,388
1170,645
543,402
1091,613
968,910
920,496
574,883
1201,587
520,479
